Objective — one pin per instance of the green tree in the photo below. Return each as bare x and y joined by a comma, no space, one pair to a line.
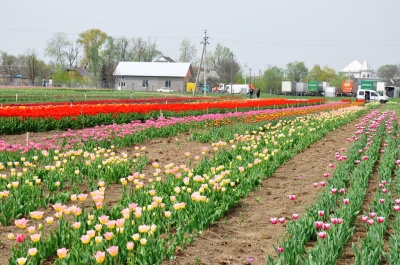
271,80
10,64
296,71
390,73
92,41
34,66
337,81
317,73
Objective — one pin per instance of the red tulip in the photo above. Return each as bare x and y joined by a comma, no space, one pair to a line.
292,197
322,234
20,237
364,218
282,220
346,201
380,219
280,249
319,224
372,215
295,216
274,221
321,213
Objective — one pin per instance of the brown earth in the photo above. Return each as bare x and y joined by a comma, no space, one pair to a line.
245,232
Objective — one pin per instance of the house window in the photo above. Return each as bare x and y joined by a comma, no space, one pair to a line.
168,83
145,83
122,84
122,77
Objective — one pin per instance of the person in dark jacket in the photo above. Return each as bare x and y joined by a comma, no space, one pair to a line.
258,92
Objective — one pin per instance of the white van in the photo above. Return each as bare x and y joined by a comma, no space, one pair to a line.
371,95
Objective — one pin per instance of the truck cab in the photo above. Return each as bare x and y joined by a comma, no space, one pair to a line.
371,95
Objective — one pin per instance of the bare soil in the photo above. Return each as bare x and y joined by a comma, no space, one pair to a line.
244,235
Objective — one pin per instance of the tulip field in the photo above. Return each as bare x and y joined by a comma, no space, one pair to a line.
155,182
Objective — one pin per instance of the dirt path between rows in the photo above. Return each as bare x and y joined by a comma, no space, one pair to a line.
244,235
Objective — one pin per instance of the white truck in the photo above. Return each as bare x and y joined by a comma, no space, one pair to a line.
234,89
371,95
288,87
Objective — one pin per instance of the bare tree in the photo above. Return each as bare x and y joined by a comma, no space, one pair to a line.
122,49
143,51
188,51
34,66
73,51
56,48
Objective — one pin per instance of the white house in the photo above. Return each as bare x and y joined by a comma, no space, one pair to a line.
150,76
358,70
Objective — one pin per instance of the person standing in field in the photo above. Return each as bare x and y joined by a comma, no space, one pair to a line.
50,82
44,82
258,92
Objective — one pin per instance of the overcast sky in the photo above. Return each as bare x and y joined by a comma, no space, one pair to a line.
261,33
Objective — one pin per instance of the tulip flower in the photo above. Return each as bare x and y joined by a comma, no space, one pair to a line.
21,261
384,190
280,249
274,221
396,208
380,219
319,224
322,183
282,220
32,251
315,184
397,201
21,223
62,253
143,241
331,165
113,251
326,175
292,197
346,201
342,190
100,256
370,221
130,245
372,215
295,216
321,213
10,236
364,218
35,237
326,226
20,237
334,191
322,234
85,239
382,200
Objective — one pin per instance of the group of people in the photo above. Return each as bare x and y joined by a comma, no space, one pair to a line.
254,90
44,83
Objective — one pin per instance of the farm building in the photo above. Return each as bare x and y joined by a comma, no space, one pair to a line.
358,70
150,76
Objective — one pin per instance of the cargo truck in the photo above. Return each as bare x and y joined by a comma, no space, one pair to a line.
234,89
288,87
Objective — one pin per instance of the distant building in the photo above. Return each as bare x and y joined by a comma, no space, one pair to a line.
357,70
150,76
164,59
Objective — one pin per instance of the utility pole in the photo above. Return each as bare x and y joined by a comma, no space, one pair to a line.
250,76
205,42
245,68
232,74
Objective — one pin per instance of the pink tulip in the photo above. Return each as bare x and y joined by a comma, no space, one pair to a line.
370,221
364,218
396,208
322,183
372,215
343,149
249,259
321,213
357,162
319,224
382,200
334,221
346,201
282,220
113,250
380,219
384,190
295,216
383,182
274,221
326,175
292,197
365,158
342,190
326,226
334,191
20,237
381,185
339,221
397,201
331,165
280,249
315,184
100,256
360,151
322,234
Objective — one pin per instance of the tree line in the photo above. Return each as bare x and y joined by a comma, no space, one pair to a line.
99,53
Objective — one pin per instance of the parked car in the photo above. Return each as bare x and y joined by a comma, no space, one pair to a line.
164,89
